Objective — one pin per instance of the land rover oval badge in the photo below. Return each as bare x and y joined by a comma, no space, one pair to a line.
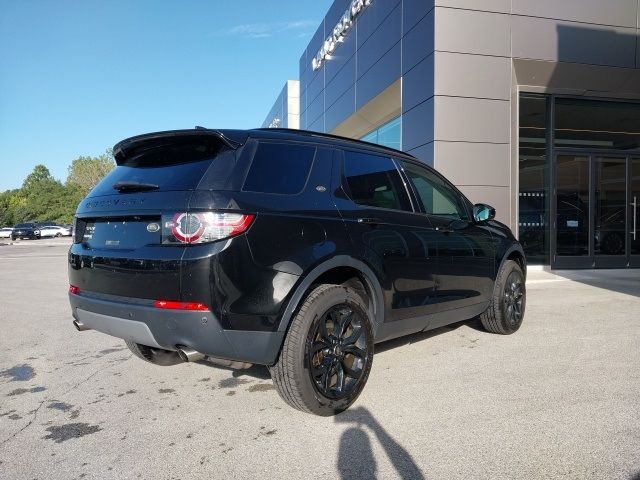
153,227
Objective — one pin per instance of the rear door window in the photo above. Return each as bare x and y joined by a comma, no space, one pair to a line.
375,181
281,168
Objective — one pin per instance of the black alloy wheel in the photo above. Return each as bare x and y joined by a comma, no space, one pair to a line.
613,244
505,311
513,298
327,353
336,352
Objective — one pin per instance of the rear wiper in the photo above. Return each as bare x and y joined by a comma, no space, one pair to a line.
135,186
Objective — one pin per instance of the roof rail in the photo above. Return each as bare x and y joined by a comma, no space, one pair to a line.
336,137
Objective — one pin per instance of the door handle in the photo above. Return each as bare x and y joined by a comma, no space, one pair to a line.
444,229
635,216
370,221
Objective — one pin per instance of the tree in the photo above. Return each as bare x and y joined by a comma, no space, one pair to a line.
42,198
86,172
40,174
11,204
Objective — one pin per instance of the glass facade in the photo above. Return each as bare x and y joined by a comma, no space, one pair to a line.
387,134
596,124
533,197
578,203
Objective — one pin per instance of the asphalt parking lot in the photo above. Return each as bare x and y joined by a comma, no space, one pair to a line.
558,399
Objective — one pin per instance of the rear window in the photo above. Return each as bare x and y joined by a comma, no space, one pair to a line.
184,176
280,168
178,165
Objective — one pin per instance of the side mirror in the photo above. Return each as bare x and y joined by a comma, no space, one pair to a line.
483,212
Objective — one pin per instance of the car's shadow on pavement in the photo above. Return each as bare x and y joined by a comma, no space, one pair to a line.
261,372
474,323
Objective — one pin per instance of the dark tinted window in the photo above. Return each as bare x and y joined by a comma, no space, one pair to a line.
374,181
170,163
595,124
279,168
437,196
183,176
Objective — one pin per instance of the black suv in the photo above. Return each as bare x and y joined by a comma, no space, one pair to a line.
26,230
286,248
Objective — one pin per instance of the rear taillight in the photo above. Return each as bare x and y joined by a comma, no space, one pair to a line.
172,305
203,227
73,289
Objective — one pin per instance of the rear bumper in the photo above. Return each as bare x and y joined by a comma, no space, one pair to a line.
139,321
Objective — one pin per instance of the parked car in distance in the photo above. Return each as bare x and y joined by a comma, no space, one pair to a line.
6,232
29,231
291,249
54,231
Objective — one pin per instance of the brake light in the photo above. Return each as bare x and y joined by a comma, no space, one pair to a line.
171,305
202,227
73,289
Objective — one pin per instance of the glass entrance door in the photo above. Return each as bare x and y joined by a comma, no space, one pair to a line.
609,212
634,212
571,226
597,211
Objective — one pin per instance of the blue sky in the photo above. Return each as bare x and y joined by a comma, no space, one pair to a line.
78,76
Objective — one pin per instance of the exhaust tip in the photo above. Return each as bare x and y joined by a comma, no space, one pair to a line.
81,327
189,355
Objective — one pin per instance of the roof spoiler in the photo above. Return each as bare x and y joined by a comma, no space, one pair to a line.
159,139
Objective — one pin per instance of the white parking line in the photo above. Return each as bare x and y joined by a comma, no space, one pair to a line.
36,243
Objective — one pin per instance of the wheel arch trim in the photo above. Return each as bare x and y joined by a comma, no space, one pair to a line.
373,285
516,247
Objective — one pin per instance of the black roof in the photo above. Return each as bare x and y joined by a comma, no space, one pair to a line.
292,134
235,138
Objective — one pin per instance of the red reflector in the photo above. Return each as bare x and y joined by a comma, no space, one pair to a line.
73,289
167,304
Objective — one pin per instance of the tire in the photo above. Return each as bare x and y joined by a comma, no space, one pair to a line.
157,356
58,235
505,312
13,239
613,244
307,374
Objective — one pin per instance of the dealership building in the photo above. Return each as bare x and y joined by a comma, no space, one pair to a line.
532,106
